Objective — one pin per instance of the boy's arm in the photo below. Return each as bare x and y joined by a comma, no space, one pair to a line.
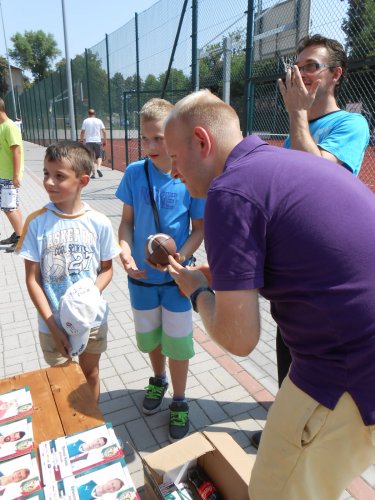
105,274
194,241
125,237
40,301
16,152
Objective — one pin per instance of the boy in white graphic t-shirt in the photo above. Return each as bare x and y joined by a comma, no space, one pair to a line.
63,243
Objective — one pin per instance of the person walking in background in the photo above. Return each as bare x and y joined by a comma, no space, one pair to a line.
298,230
63,245
11,173
93,133
162,316
319,126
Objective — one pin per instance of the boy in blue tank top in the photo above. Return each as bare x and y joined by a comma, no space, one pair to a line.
162,315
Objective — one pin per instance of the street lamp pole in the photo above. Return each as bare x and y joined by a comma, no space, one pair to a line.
9,68
69,79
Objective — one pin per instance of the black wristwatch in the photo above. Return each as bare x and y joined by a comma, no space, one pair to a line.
194,295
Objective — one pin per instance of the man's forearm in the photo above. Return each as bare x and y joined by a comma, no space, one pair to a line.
300,136
236,330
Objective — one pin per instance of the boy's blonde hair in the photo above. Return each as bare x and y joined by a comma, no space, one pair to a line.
78,155
155,109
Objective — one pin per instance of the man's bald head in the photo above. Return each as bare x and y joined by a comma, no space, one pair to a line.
204,109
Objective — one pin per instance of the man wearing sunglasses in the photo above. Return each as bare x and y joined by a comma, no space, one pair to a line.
319,126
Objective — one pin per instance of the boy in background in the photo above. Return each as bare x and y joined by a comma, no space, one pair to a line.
64,242
11,173
162,315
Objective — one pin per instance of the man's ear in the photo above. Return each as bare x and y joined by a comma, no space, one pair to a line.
84,180
202,139
337,74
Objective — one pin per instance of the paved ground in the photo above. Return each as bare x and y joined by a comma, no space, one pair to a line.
226,393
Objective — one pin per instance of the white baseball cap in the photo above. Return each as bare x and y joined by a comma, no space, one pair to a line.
78,309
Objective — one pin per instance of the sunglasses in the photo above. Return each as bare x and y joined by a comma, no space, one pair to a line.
313,67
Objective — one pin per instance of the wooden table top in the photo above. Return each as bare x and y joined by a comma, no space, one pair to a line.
62,399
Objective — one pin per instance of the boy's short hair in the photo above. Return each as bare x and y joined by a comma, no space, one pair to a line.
155,109
78,155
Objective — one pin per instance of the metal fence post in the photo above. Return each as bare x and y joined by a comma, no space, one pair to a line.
109,100
62,101
194,47
125,98
45,98
36,115
227,59
138,80
249,91
73,126
87,79
54,109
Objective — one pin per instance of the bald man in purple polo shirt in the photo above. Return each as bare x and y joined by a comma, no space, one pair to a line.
299,231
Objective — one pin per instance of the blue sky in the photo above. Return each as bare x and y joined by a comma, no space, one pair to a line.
87,21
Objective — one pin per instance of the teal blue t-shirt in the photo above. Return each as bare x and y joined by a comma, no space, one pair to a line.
343,134
175,207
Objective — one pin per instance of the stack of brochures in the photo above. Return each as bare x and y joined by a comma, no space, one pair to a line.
82,466
88,464
19,473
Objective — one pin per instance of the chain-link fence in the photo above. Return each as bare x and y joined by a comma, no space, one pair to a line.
237,48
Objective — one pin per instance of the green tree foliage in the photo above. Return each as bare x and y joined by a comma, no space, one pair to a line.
359,27
211,67
151,83
3,72
34,51
177,81
118,87
92,84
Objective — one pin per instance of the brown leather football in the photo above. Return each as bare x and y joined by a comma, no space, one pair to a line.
158,247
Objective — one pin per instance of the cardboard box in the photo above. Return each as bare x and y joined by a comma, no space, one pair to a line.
228,466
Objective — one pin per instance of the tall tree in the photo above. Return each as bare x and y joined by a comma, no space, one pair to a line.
3,72
93,75
118,87
34,51
359,27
